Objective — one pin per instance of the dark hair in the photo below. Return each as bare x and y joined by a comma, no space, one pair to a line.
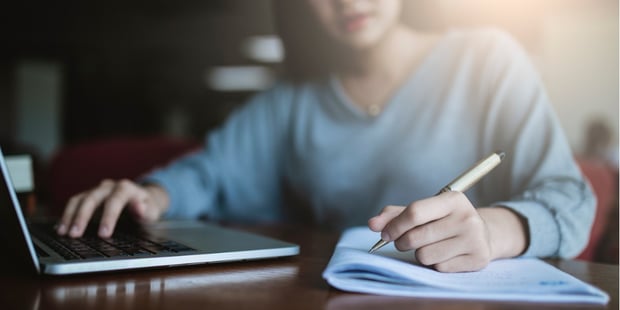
309,53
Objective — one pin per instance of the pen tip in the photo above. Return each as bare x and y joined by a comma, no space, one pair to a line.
377,246
501,154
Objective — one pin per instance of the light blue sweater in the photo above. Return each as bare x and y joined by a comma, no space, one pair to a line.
305,152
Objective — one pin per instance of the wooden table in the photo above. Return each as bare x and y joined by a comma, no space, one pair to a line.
289,283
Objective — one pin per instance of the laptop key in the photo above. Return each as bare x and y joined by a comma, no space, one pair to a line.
120,244
90,254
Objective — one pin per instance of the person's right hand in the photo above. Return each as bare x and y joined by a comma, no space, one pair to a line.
147,203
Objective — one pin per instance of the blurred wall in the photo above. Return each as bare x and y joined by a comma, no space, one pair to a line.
574,44
128,67
579,62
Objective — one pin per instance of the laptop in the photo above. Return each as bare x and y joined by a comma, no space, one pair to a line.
163,244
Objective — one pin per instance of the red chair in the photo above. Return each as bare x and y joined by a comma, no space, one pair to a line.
78,167
604,181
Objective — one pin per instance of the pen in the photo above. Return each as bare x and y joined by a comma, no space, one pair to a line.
463,182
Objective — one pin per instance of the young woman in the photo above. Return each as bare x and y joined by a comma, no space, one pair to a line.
375,118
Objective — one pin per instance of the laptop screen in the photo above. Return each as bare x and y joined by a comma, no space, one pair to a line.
15,236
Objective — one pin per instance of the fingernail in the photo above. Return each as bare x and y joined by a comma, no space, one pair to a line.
61,229
103,231
74,230
385,236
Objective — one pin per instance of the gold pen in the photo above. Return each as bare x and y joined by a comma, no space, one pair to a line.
463,182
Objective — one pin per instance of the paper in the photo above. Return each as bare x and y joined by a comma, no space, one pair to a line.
390,272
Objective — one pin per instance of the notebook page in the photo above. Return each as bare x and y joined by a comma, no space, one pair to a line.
389,271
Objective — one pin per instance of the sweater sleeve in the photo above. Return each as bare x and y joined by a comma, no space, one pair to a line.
236,175
545,184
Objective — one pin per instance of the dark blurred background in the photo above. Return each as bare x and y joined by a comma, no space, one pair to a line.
74,71
122,67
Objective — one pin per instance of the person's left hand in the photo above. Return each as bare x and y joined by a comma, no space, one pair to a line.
446,231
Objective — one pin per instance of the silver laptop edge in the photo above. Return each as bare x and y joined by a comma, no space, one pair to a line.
164,261
18,211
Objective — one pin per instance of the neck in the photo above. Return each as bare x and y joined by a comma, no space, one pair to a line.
374,74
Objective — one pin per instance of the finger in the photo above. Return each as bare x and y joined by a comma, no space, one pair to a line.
417,213
377,223
138,207
441,251
68,214
444,252
435,231
462,221
141,204
143,209
89,203
462,263
122,194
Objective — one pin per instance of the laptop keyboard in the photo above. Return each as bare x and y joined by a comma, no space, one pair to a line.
119,245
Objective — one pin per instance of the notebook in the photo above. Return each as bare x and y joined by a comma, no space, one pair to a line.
162,244
391,272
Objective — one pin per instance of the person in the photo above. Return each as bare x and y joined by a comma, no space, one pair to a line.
372,120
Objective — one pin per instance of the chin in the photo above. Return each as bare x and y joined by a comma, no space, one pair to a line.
359,47
360,41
